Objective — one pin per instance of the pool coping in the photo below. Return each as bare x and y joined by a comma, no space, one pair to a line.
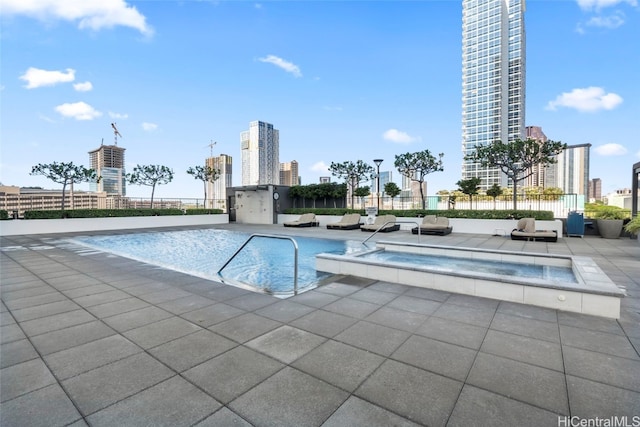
594,293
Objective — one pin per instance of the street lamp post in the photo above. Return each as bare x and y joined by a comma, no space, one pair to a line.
378,162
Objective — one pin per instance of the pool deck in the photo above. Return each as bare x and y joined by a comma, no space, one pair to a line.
101,340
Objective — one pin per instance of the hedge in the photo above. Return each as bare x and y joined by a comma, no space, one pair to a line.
4,214
203,211
451,213
100,213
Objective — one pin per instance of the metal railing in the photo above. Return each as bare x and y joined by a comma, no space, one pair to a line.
271,236
393,222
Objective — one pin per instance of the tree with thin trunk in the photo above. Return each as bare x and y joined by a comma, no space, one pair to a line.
65,174
517,158
470,187
494,191
150,175
205,174
353,173
391,189
416,166
362,192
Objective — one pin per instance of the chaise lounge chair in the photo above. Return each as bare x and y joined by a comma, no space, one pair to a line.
434,225
389,220
347,222
526,230
305,220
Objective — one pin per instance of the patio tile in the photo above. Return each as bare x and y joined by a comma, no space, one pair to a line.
436,356
73,361
231,374
186,352
526,327
172,403
536,352
372,337
23,378
101,387
324,323
136,318
16,352
604,368
471,301
70,337
160,332
220,293
415,305
20,303
212,314
594,323
616,345
164,295
6,319
470,315
394,288
352,307
289,398
245,327
528,311
338,289
589,399
537,386
453,332
339,364
88,290
284,311
101,298
420,396
373,296
314,298
476,407
47,407
356,412
11,333
117,307
286,343
186,304
223,417
252,301
398,319
56,322
430,294
36,291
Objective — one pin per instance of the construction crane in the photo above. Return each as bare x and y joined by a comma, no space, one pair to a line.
115,133
213,143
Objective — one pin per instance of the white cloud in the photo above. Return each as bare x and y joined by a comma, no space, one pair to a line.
78,111
36,77
83,87
610,22
320,167
46,119
601,4
149,127
394,135
589,99
611,150
287,66
92,14
118,115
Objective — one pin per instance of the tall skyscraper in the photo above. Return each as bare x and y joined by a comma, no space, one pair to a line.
108,162
595,189
260,154
538,175
571,172
385,177
217,190
289,173
493,80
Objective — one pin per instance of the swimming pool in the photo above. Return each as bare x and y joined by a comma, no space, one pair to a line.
265,264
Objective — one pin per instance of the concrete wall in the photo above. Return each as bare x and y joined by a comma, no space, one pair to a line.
254,206
72,225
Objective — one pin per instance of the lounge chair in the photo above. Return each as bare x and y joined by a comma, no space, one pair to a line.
389,220
347,222
305,220
526,230
434,225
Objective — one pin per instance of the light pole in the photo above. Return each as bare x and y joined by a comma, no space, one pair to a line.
378,162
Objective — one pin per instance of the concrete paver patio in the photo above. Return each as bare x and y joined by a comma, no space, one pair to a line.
101,340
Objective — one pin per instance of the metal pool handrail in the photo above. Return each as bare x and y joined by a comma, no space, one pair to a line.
393,222
272,236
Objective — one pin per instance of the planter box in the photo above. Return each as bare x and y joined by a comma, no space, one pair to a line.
610,228
73,225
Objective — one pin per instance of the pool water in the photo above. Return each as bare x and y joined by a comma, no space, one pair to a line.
266,264
451,264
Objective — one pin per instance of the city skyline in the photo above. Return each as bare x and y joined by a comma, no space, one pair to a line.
384,81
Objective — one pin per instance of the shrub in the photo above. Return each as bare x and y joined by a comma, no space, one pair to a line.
202,211
100,213
451,213
4,214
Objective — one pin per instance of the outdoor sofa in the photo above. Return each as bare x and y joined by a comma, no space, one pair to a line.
526,230
433,225
380,221
305,220
347,222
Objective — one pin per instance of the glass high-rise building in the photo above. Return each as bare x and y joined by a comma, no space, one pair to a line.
217,190
108,162
289,174
260,154
493,80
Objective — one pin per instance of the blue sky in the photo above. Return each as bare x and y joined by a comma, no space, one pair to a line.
341,80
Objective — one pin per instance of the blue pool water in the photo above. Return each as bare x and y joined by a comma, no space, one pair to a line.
451,264
266,264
